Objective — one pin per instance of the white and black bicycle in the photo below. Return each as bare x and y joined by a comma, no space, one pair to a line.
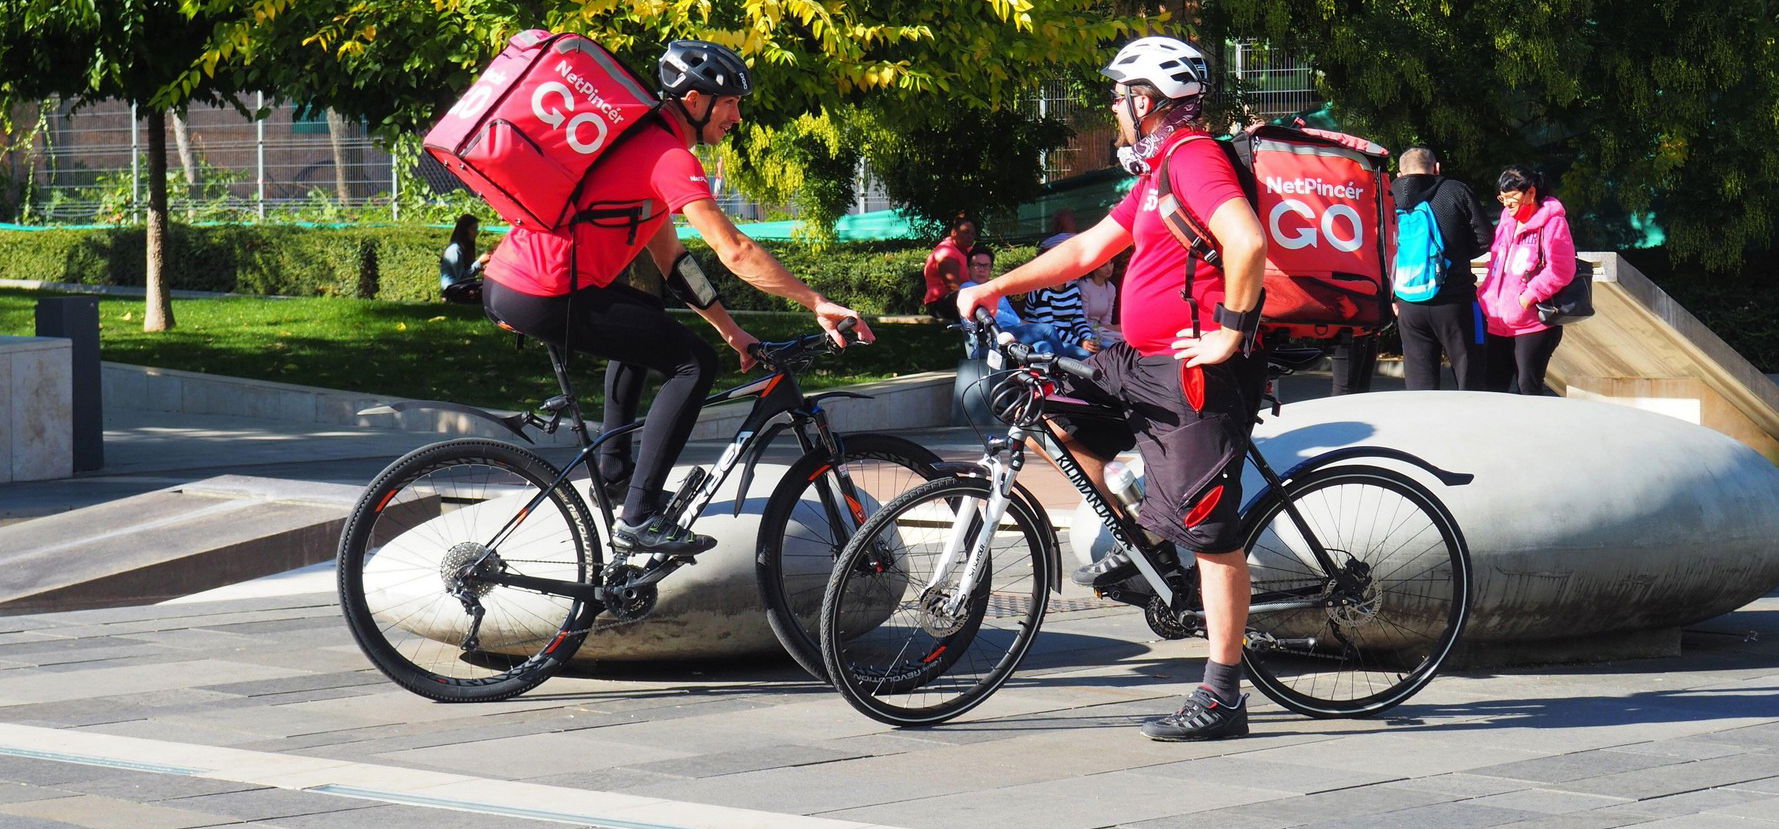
1361,577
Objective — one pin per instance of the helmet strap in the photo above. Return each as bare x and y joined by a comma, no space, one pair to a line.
697,124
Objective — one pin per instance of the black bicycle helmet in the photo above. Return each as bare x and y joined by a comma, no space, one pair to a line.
711,68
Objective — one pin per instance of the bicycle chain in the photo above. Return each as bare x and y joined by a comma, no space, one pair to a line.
586,631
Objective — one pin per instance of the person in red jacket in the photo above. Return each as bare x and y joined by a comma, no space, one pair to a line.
558,286
948,267
1188,371
1532,258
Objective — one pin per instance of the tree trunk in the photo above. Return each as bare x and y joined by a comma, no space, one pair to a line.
158,316
187,162
345,161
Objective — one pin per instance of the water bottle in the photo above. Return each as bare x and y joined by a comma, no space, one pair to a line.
1122,480
1126,484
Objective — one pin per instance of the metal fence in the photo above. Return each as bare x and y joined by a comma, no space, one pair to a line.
91,166
1272,82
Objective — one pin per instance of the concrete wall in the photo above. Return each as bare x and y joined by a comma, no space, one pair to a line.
905,402
36,431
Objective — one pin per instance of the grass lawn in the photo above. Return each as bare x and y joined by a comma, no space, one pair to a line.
426,351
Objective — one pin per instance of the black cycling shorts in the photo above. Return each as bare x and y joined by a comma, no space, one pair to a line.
1189,425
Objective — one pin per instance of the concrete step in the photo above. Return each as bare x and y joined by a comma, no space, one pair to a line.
168,543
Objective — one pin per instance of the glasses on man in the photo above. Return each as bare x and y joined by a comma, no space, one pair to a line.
1119,97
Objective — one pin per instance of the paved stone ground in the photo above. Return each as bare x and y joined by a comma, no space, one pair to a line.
260,711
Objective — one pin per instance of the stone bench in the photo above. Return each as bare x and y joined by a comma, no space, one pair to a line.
1596,531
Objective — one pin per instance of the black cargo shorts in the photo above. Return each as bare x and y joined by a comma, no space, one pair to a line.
1189,424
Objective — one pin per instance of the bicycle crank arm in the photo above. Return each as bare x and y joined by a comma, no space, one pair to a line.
1134,598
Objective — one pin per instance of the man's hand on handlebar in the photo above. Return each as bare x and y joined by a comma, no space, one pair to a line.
829,314
976,296
743,344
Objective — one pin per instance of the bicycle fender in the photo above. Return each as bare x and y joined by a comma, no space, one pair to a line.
753,457
1337,456
512,423
960,469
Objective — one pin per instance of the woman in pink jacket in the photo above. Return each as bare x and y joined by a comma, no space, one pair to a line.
1532,258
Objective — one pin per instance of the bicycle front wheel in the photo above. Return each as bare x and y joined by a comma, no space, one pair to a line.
908,635
1366,652
412,558
818,506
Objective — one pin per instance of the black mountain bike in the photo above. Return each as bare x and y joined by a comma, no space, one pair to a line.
1361,578
472,569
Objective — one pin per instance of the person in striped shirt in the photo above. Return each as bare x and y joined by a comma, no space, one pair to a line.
1061,307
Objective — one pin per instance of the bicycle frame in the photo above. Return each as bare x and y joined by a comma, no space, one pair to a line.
1005,457
774,394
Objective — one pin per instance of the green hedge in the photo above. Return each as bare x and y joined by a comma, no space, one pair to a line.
401,263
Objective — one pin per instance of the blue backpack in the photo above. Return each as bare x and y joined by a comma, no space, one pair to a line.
1419,267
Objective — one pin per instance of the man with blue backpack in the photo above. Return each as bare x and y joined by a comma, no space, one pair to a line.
1439,229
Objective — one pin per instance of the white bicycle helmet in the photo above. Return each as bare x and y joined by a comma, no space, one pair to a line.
1172,66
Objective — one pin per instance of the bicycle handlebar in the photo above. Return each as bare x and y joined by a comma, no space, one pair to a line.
1023,355
793,355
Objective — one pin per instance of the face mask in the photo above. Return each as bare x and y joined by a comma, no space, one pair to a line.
1524,211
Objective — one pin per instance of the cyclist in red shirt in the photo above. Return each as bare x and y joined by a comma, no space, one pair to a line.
557,286
1188,372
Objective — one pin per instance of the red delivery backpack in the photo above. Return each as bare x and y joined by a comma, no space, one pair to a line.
545,111
1324,199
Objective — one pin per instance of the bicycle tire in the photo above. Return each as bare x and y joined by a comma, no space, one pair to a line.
1364,659
893,658
799,541
417,524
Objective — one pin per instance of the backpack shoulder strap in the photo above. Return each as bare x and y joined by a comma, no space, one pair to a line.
1187,228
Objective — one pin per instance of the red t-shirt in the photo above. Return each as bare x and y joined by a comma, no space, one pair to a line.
650,176
947,249
1202,180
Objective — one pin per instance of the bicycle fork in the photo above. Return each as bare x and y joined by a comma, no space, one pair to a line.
1003,467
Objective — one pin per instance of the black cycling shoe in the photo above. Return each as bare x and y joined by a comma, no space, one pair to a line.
658,535
1106,572
1203,717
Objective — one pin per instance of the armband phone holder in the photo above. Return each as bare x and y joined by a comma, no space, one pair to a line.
687,282
1246,323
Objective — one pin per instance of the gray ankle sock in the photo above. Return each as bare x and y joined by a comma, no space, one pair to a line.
1225,681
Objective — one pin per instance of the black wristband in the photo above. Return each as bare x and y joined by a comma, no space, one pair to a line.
1246,323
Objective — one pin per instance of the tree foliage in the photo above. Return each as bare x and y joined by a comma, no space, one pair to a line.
90,50
1633,106
828,73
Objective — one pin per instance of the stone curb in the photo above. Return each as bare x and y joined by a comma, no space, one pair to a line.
910,402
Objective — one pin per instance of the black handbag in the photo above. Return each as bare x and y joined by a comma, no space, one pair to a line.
1572,302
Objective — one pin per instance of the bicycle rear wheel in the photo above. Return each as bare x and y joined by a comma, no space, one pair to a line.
408,544
1367,655
897,640
808,520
